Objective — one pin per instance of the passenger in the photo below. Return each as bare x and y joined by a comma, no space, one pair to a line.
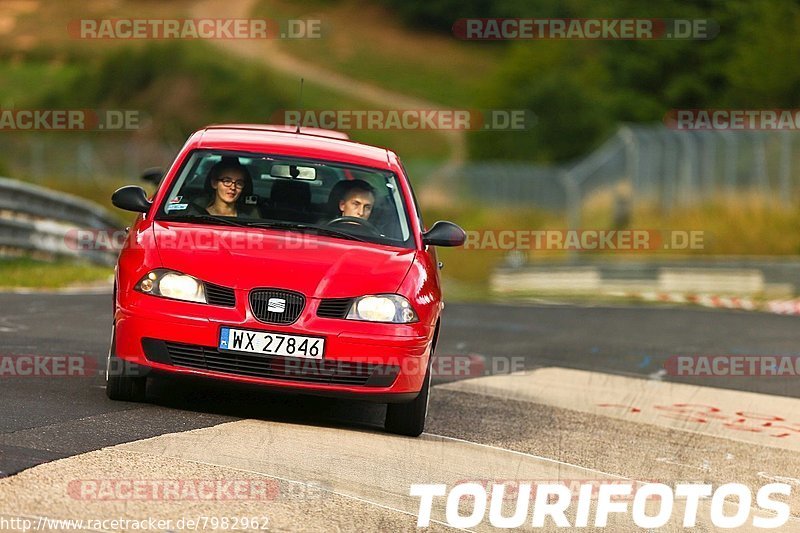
227,184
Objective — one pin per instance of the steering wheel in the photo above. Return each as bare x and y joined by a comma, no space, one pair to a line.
362,222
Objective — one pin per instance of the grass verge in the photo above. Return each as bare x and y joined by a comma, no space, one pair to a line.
33,273
746,225
369,43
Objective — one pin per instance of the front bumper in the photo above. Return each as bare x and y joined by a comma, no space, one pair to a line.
381,362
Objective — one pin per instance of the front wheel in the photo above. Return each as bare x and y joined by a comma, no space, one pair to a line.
409,418
125,381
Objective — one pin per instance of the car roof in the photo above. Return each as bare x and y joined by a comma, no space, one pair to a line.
283,128
313,143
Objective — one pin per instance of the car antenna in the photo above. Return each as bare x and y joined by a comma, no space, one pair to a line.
300,106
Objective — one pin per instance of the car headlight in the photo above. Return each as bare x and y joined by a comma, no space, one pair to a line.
171,284
382,308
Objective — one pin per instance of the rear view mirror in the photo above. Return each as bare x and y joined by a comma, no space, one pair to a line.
131,198
153,175
293,172
444,233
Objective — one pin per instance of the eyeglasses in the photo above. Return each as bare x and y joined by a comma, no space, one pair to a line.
230,181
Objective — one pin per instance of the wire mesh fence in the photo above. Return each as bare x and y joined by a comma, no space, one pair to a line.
671,168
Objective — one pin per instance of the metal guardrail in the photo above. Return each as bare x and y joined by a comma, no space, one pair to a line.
36,219
719,276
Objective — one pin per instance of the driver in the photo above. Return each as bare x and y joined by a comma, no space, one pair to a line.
358,200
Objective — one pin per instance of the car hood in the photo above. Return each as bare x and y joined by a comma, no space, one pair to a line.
317,266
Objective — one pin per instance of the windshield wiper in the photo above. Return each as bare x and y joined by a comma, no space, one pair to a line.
230,221
323,230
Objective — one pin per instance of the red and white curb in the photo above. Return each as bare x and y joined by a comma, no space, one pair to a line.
781,307
784,307
706,300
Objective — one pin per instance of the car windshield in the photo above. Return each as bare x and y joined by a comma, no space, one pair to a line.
259,190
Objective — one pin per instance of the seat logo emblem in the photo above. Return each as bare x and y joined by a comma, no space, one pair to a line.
276,305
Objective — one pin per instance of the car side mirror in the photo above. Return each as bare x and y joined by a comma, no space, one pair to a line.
153,175
131,198
444,233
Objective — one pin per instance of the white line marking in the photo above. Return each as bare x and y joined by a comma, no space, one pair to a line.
780,479
705,467
524,454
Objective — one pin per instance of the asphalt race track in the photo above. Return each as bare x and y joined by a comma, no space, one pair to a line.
589,401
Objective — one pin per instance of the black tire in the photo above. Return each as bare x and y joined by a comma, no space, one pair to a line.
125,381
409,418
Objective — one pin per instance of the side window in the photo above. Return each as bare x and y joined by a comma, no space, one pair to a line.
413,195
184,188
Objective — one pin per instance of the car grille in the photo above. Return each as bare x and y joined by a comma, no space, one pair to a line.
293,304
334,307
218,295
270,366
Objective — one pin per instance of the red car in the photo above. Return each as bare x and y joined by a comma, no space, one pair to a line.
296,261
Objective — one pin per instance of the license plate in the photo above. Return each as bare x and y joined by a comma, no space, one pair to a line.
268,343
